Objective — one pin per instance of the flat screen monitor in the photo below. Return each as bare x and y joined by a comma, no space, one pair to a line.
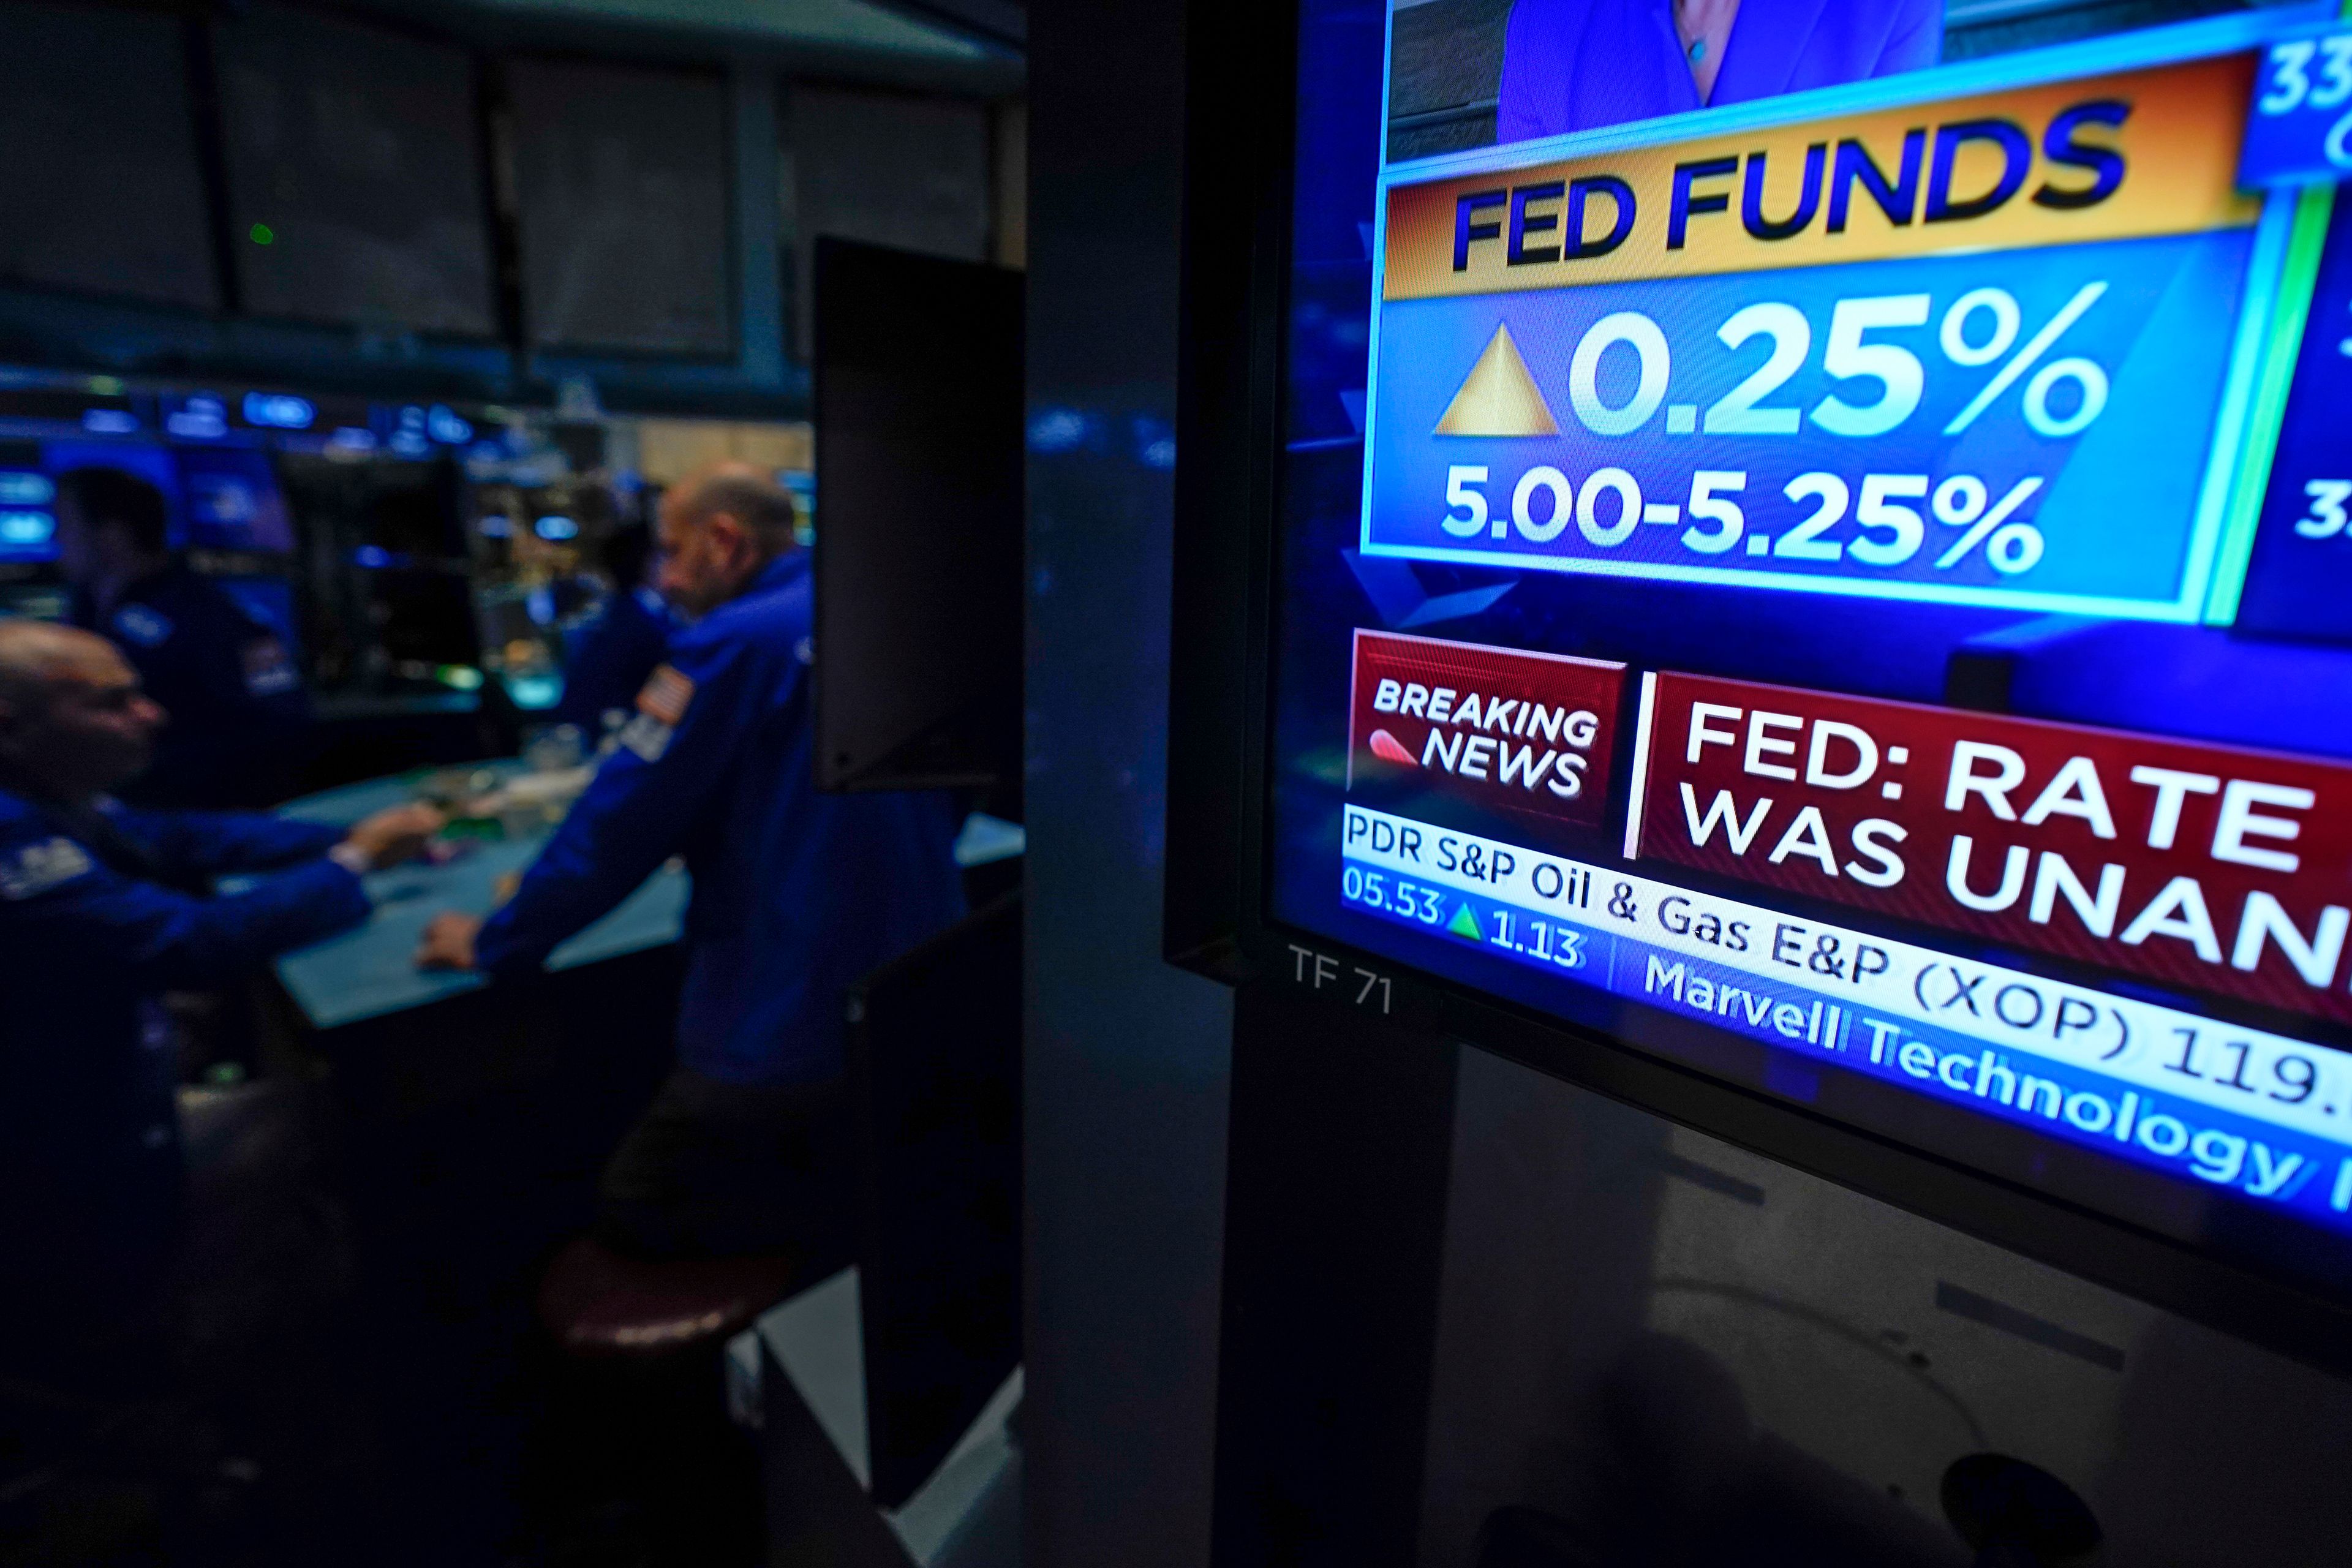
28,493
231,498
33,468
621,177
222,498
1807,582
935,1069
101,192
355,175
918,451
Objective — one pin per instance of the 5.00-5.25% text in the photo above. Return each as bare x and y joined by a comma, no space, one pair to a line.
1888,527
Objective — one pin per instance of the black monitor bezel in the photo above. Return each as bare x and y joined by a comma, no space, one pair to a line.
1241,75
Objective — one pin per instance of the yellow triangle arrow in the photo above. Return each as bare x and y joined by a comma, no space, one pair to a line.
1499,397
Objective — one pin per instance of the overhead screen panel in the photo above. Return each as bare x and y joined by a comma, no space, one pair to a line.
622,179
100,192
355,180
886,169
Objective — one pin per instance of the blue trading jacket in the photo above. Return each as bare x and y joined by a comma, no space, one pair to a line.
612,655
797,895
101,909
239,714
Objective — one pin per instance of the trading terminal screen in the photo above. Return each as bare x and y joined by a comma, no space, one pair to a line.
226,499
1827,555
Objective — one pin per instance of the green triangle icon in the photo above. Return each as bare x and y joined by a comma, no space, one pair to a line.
1465,923
1498,397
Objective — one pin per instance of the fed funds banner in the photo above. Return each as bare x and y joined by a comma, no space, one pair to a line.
1992,349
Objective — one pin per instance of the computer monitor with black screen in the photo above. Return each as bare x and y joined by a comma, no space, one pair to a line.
918,375
1834,594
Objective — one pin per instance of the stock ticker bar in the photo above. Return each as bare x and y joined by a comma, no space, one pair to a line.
2260,1113
1995,350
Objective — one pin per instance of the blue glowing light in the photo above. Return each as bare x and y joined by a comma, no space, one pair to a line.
556,528
24,527
26,489
110,422
535,693
447,426
278,410
225,499
1059,430
202,417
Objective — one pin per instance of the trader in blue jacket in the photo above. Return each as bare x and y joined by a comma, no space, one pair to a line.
102,909
797,895
608,660
240,716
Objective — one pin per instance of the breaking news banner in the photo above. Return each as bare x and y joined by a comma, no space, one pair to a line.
1529,734
2205,869
2259,1112
1993,350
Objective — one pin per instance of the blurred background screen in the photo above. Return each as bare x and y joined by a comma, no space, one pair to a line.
354,175
232,502
103,188
622,178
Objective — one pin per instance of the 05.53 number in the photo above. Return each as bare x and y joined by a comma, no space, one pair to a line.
1395,895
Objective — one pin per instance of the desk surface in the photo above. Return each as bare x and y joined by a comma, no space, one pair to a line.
366,972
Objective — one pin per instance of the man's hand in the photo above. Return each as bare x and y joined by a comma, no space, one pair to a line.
391,835
448,942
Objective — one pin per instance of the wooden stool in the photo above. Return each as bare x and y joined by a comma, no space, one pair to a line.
636,1441
596,1303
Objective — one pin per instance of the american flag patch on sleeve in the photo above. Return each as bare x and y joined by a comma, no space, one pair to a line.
666,695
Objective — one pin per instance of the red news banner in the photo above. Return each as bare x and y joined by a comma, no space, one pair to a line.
2203,867
1528,733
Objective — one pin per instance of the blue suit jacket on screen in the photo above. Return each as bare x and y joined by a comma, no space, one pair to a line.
1574,64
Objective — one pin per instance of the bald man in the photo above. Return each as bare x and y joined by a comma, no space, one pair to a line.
104,908
797,895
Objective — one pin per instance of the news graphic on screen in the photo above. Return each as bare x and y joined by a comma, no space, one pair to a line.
1849,588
